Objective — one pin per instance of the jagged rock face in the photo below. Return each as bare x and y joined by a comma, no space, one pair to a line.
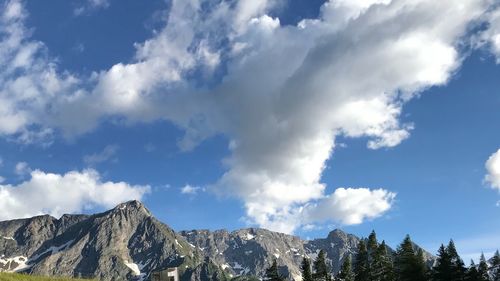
206,271
337,246
128,243
125,243
250,251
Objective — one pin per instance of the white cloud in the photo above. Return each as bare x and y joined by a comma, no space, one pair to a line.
108,153
351,205
490,38
493,170
72,192
22,169
287,92
29,81
191,190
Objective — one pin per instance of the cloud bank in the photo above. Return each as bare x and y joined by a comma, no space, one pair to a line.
73,192
281,94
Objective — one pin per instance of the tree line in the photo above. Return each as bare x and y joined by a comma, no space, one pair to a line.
376,262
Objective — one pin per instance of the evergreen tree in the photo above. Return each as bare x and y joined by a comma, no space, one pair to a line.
442,269
321,271
458,269
483,269
306,270
421,272
408,265
372,244
495,266
272,273
382,268
361,265
472,274
346,273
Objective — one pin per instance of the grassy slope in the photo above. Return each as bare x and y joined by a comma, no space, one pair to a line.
24,277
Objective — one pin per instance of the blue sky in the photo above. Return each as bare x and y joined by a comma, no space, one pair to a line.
298,116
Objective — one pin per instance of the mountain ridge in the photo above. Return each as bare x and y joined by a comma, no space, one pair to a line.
128,243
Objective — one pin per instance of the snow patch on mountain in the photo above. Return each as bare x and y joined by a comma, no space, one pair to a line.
53,250
224,266
136,269
14,264
8,238
177,243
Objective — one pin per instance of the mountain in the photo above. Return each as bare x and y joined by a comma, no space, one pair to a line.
128,243
251,250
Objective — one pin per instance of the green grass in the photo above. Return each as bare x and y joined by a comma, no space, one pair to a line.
25,277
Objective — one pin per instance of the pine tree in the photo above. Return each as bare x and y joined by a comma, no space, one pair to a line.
272,273
361,265
442,269
495,266
408,265
346,273
421,270
458,269
306,270
483,269
382,268
372,244
321,271
472,274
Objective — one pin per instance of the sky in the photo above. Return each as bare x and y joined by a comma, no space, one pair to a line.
297,116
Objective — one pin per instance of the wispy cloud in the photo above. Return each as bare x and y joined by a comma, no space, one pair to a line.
22,169
107,154
472,247
89,6
191,190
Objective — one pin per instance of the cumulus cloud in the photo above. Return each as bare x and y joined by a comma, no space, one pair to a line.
351,205
107,154
72,192
493,170
286,93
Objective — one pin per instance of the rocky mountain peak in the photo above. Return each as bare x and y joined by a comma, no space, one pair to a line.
133,207
337,234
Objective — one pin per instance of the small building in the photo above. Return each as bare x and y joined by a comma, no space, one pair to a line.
169,274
